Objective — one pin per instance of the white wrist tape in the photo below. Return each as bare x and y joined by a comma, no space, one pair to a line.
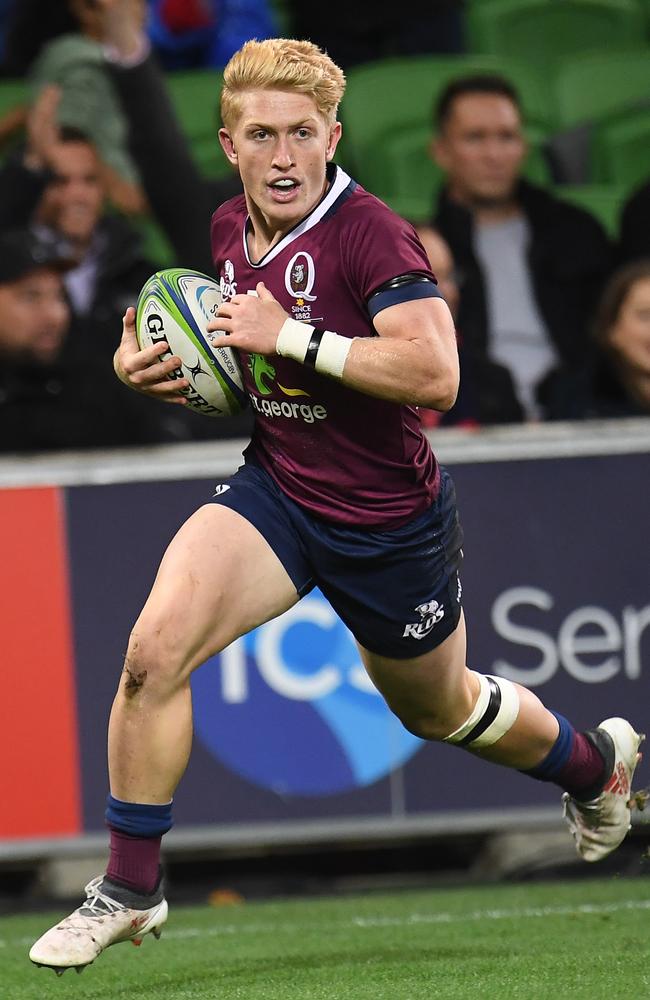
293,340
332,354
321,349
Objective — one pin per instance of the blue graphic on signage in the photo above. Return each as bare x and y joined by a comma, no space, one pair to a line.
290,708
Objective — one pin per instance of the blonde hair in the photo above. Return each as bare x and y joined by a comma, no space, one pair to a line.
282,64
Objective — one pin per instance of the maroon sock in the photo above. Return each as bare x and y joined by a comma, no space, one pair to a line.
134,861
584,773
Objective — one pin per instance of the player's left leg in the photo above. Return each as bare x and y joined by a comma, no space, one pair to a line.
438,697
435,694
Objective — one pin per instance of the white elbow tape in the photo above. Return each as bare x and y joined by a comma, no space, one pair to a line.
321,349
494,713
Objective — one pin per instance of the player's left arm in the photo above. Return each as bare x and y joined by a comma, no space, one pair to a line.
414,359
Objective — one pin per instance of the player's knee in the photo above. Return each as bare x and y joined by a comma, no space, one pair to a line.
493,715
156,660
426,726
433,719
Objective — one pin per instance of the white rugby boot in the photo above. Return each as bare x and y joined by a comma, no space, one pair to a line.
98,923
600,825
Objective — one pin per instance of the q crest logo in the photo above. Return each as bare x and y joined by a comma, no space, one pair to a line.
299,278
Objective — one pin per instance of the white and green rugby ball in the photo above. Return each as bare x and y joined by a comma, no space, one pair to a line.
176,305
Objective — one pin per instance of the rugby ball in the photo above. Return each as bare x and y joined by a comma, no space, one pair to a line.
176,305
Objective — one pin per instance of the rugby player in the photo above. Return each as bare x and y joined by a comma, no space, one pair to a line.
342,334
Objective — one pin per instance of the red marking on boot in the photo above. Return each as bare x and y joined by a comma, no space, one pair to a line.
618,784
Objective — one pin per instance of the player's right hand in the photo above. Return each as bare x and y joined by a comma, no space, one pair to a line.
145,371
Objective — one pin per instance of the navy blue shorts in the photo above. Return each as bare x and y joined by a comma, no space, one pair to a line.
398,591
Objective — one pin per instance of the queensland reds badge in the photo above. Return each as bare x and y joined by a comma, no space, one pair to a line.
299,278
227,283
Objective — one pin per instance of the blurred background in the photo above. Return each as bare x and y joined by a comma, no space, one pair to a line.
515,136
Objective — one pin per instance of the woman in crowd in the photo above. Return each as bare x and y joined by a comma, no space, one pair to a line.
621,384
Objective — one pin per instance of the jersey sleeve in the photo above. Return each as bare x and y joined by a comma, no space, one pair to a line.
382,246
227,218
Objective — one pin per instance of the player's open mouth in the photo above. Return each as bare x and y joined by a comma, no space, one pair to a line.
283,189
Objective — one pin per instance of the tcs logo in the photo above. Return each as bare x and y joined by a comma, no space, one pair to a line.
291,708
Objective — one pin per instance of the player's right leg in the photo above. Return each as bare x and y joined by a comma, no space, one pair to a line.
218,579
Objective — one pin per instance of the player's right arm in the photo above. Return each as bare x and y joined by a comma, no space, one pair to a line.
143,370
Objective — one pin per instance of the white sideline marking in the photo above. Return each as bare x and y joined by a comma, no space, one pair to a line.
529,912
370,923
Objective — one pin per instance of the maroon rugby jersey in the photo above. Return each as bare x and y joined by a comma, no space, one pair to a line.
344,456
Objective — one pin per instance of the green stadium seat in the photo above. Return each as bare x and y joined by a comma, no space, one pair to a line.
282,13
405,177
14,94
621,148
645,7
195,95
155,244
592,86
398,95
545,32
603,201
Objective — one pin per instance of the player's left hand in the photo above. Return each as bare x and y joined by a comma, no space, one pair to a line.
252,322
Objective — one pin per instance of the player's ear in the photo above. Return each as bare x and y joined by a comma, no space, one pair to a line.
225,139
334,136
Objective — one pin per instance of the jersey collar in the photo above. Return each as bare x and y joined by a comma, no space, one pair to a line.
341,186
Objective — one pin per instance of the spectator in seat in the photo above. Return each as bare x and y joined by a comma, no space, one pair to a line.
621,383
55,185
55,394
74,62
532,266
463,412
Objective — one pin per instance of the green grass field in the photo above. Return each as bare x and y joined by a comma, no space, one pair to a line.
558,941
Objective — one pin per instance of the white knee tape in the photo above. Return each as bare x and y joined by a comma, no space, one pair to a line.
494,713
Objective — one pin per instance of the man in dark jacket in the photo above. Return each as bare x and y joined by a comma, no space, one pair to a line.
531,266
56,393
55,186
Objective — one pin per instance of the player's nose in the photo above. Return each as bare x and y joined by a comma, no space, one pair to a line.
282,155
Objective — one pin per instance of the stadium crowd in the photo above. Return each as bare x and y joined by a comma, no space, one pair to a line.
552,307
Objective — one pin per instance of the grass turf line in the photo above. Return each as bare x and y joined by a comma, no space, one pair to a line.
587,939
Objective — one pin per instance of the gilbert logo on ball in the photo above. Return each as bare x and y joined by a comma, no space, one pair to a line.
290,708
175,306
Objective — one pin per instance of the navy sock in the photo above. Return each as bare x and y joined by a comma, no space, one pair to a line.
575,763
138,819
136,829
